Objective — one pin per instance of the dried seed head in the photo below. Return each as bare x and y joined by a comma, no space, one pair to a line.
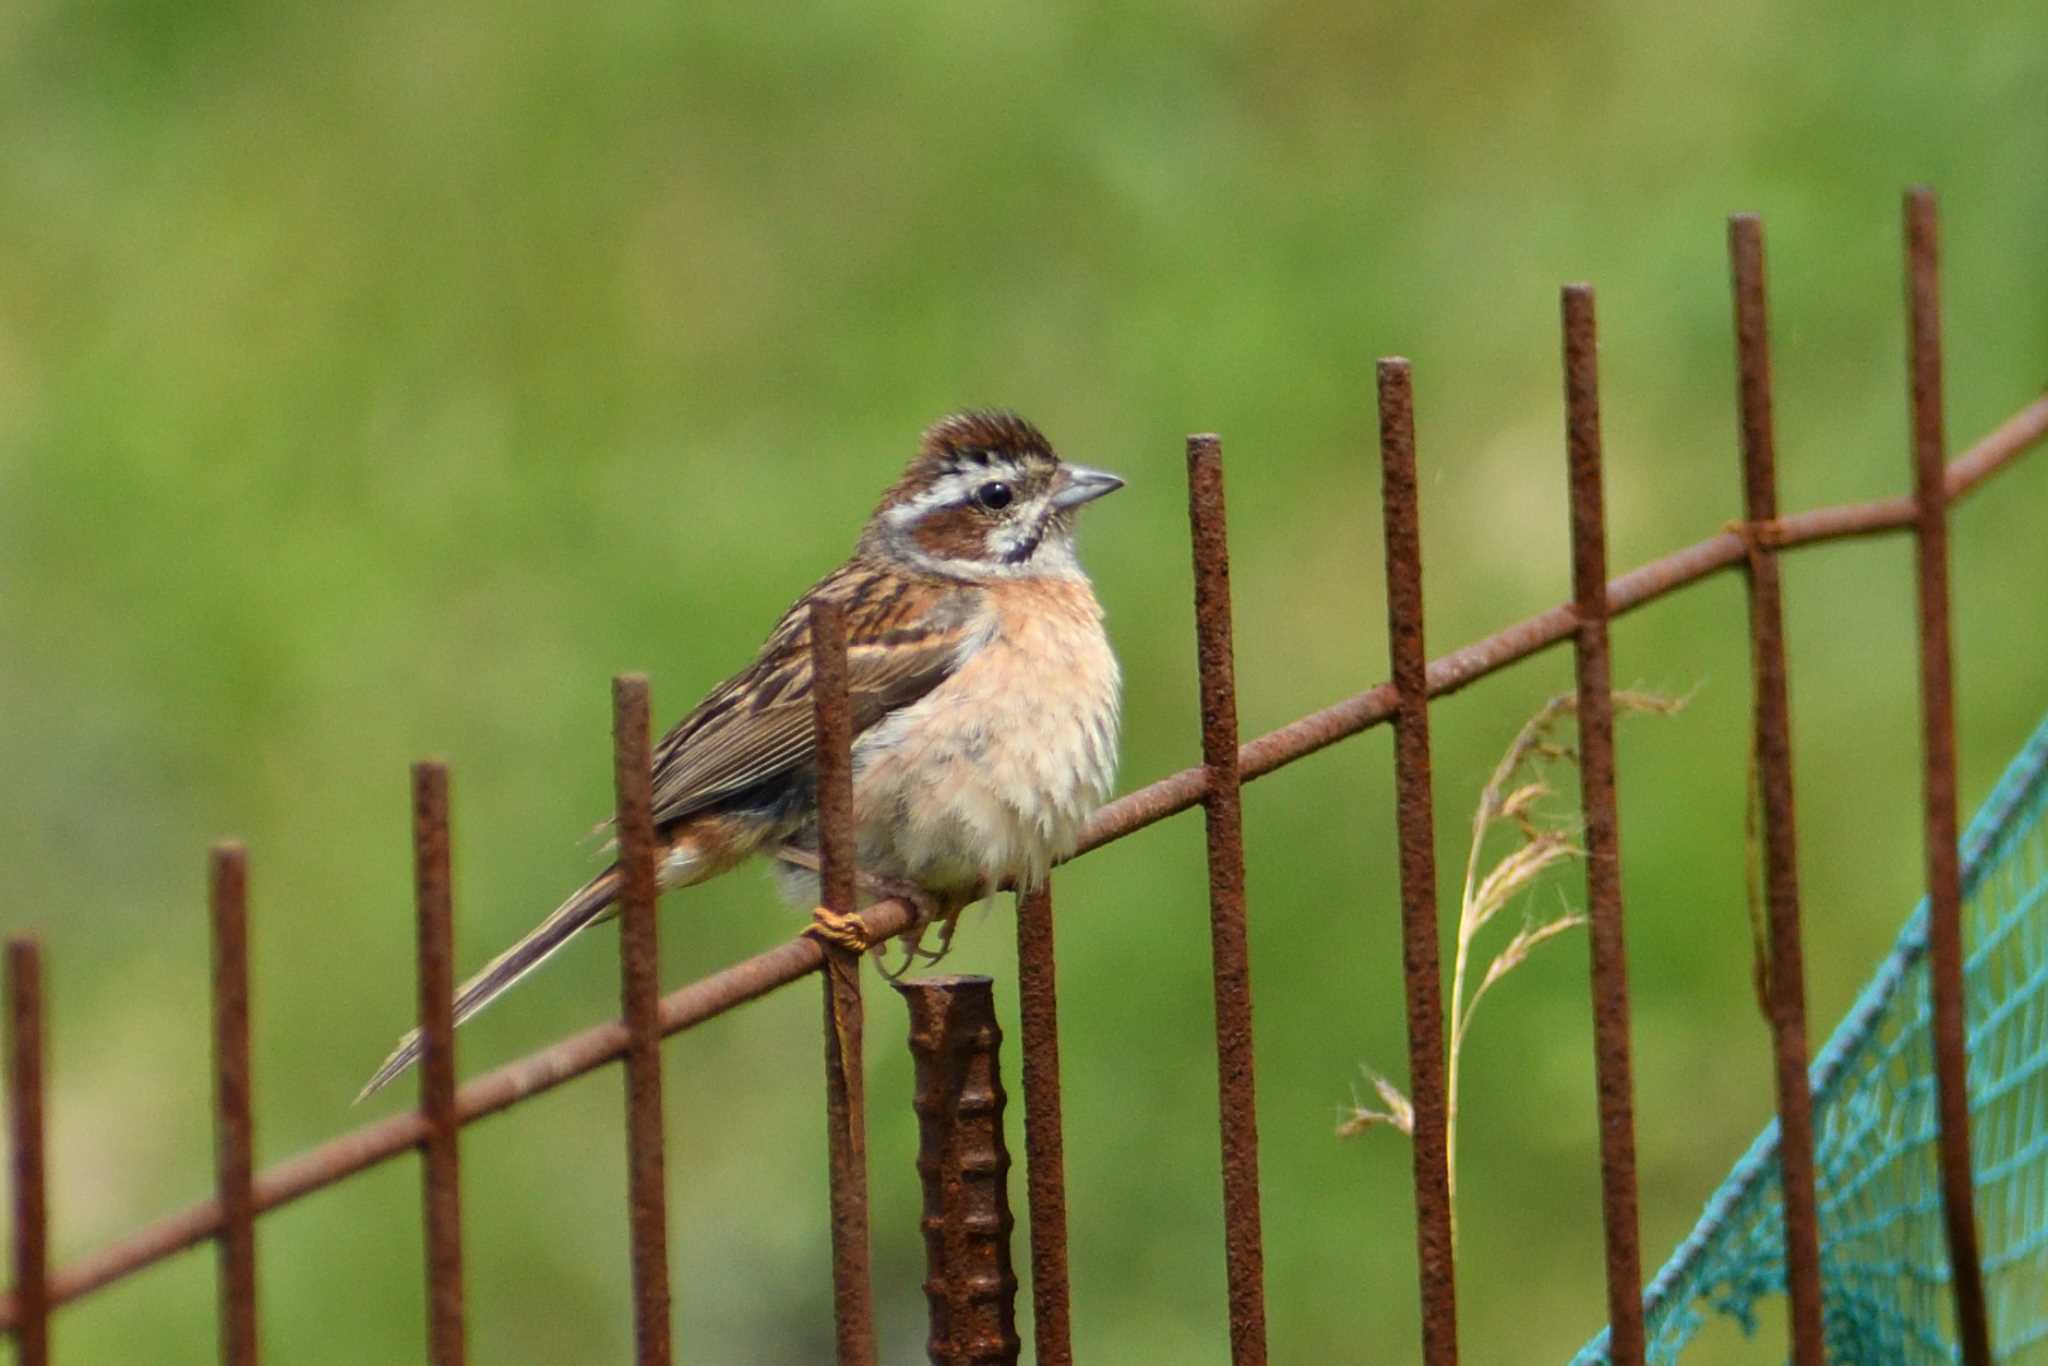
1399,1114
1512,875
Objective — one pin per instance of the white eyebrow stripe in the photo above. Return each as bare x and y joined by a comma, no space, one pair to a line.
952,490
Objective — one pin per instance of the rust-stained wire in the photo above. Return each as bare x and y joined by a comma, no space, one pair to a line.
756,976
1243,1250
1773,730
1944,876
1416,836
234,1143
969,1286
1603,831
492,1093
1045,1179
440,1161
1461,667
853,1311
31,1320
640,1002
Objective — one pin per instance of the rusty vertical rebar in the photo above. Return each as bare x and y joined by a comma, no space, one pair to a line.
639,999
1603,834
440,1163
1772,729
845,1087
31,1329
969,1285
1242,1242
1045,1180
838,879
1944,877
1420,969
234,1144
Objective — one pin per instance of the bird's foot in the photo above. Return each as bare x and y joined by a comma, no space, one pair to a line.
847,932
929,910
926,908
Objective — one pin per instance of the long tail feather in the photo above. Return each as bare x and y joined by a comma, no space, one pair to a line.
589,905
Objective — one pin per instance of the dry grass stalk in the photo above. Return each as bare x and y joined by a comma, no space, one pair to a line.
1513,798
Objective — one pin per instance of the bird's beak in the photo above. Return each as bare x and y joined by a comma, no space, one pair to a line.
1085,485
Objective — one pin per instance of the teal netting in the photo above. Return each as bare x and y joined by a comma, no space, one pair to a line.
1884,1260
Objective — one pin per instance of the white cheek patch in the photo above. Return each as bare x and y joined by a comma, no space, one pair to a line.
1054,558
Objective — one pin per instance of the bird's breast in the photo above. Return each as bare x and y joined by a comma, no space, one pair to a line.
991,775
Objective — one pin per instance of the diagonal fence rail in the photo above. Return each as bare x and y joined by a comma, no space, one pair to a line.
960,1094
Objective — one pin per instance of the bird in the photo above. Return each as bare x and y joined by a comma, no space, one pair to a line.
985,696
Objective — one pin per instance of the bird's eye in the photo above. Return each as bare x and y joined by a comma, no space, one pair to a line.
994,496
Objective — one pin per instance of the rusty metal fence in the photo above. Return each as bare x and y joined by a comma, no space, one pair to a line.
967,1224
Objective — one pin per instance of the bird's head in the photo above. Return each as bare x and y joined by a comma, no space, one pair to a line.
985,498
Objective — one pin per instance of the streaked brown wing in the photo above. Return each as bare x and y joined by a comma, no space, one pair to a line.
904,637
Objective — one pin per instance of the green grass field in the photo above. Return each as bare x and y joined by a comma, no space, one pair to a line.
378,380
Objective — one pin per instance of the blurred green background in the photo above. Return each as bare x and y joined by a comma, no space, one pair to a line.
377,380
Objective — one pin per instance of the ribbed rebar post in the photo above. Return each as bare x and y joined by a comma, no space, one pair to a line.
969,1285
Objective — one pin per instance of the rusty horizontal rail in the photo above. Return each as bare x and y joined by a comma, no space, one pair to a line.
1449,673
507,1085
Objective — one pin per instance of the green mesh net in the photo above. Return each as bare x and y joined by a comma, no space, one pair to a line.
1884,1260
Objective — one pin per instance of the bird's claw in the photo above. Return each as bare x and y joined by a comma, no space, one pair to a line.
931,911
